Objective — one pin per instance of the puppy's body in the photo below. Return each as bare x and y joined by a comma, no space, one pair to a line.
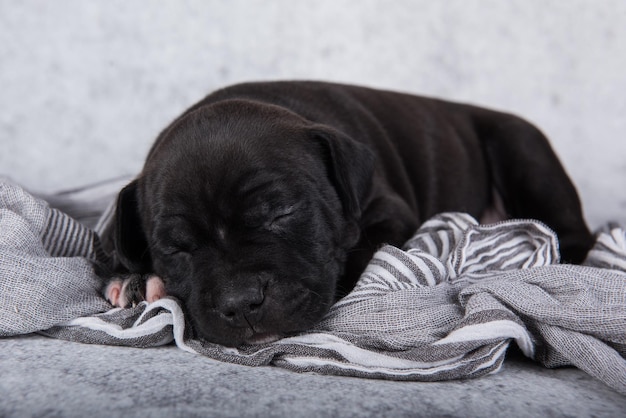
263,203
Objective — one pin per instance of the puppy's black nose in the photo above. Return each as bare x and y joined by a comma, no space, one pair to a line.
241,307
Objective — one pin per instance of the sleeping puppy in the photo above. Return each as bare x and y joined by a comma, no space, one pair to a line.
261,205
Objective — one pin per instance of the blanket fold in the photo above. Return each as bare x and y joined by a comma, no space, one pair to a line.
445,306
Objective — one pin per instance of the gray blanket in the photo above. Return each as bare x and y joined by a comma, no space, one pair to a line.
446,306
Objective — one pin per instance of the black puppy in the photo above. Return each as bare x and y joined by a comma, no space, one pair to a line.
261,205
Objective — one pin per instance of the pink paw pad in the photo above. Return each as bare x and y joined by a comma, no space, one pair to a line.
114,293
155,289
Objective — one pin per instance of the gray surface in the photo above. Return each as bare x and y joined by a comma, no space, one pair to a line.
87,85
42,376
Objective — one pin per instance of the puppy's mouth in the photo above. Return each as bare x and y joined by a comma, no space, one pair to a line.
259,338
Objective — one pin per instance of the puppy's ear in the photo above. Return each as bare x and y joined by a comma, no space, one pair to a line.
131,245
350,166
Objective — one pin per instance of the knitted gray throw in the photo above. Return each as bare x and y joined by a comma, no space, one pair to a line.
446,306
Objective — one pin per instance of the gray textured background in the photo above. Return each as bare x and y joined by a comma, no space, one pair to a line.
85,86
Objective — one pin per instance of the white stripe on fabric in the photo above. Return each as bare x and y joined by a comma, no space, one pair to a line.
492,330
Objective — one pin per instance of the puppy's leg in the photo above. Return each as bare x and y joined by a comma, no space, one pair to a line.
529,177
495,212
128,290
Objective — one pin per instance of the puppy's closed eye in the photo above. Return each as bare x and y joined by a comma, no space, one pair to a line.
175,235
281,216
270,219
178,243
175,250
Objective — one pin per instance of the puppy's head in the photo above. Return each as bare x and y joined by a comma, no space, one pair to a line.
247,211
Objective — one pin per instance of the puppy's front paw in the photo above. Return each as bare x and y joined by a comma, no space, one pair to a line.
128,290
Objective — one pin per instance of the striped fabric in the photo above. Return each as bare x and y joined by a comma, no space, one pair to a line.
445,306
